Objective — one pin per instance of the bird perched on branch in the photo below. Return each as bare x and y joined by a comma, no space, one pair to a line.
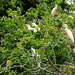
68,33
53,12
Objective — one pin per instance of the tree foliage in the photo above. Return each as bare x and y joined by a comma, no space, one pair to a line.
17,42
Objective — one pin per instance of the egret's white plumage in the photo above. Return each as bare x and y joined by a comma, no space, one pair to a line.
34,24
37,56
35,30
33,50
53,12
69,33
69,2
29,27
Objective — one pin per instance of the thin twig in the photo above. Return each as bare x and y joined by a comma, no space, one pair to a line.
51,62
70,63
3,62
36,60
51,45
42,63
12,68
67,68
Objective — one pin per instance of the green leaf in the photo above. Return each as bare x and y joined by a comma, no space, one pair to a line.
8,64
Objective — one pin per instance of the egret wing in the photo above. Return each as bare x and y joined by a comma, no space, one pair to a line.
70,35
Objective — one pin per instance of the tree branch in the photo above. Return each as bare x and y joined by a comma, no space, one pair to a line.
51,62
51,45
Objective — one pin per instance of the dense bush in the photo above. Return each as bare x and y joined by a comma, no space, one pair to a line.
17,42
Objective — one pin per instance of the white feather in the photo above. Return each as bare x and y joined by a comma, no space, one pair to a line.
69,2
33,50
29,27
53,12
35,30
34,24
33,54
69,35
38,28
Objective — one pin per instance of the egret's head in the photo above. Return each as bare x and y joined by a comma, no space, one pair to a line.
65,26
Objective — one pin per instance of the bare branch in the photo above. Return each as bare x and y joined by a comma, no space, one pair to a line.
14,67
51,45
51,62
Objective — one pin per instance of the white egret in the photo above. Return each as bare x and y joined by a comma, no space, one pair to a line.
53,12
68,33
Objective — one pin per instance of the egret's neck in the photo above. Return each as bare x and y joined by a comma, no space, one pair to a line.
66,28
56,6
